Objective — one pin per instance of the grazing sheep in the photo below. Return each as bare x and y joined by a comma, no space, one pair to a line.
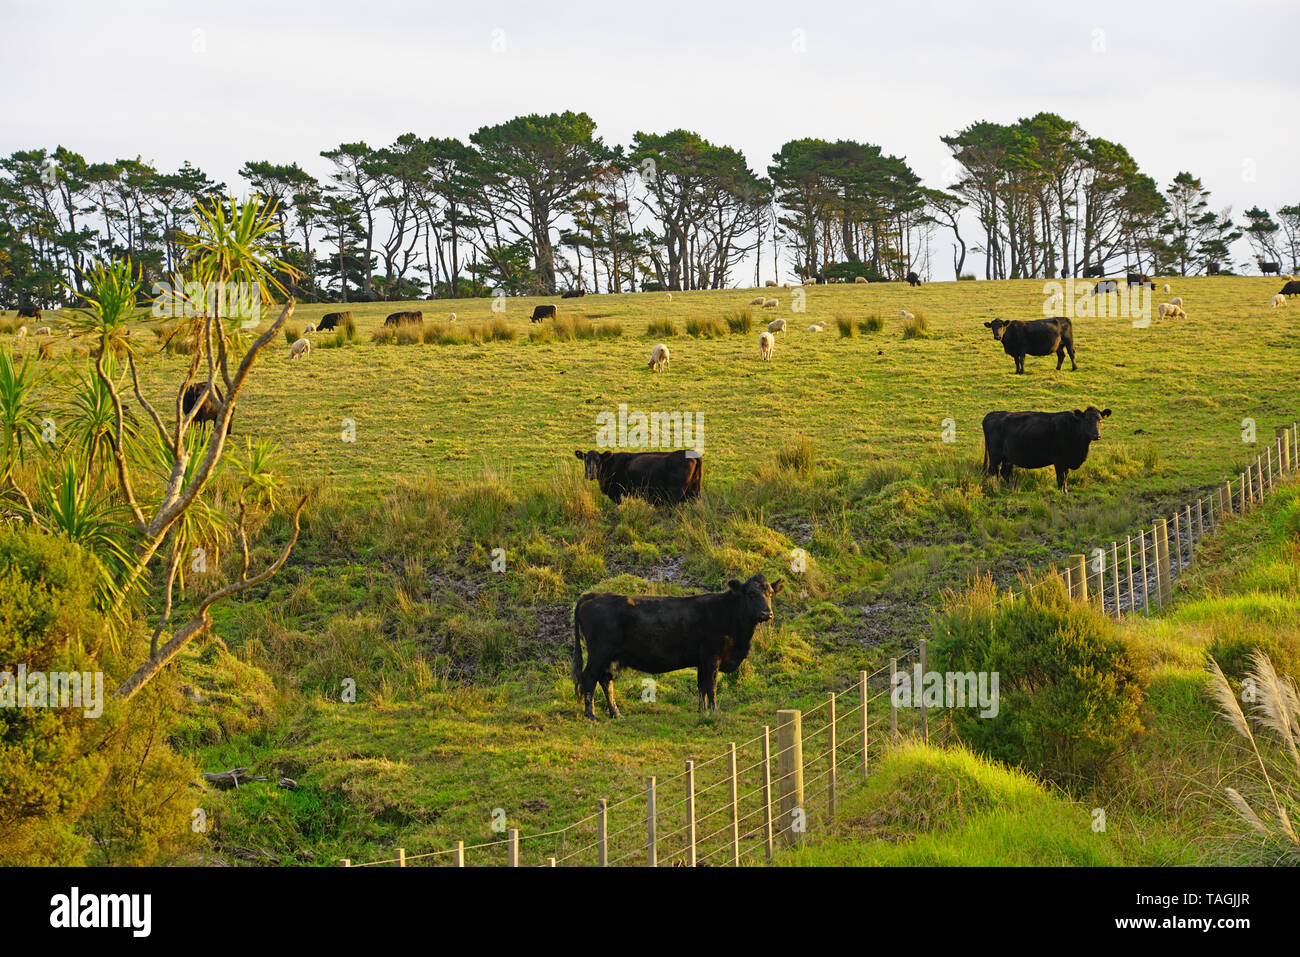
817,327
769,282
775,326
668,296
22,331
860,279
1278,300
1176,301
311,327
43,331
1166,289
766,343
771,303
451,317
905,315
659,358
1166,309
785,285
757,301
300,349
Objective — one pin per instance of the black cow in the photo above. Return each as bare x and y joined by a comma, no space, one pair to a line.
660,477
574,294
331,320
1266,268
398,318
210,408
29,312
1035,440
1036,337
1106,285
543,312
1211,269
1292,288
1093,272
656,634
913,279
1137,279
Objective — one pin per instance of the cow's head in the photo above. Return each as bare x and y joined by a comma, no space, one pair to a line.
998,326
591,462
756,596
1090,421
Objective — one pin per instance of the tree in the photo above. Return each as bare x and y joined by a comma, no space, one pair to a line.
1194,234
532,166
1261,231
1289,218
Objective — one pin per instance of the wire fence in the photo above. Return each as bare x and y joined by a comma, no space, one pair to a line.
784,784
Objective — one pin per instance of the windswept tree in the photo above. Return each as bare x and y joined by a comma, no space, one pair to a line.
532,166
1262,231
1194,234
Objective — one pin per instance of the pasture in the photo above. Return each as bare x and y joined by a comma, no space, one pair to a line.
836,446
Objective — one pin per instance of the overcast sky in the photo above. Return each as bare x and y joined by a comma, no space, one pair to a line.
1206,87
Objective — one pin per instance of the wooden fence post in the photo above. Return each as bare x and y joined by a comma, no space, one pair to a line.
1146,587
651,823
550,862
1191,534
1079,577
690,813
831,742
789,781
458,855
1114,573
602,833
767,790
1200,516
925,712
1128,557
735,809
512,847
1177,549
1164,588
893,705
401,857
1241,479
345,862
862,720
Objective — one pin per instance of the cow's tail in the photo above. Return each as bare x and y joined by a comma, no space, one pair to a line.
575,664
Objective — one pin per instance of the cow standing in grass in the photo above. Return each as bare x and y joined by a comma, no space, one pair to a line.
1035,440
660,477
657,634
1037,337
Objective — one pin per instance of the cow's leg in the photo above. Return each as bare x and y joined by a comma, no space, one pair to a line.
1060,358
1006,471
1074,366
713,693
589,675
1061,472
702,685
1020,365
607,686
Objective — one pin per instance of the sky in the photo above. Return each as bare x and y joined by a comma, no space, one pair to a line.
1207,88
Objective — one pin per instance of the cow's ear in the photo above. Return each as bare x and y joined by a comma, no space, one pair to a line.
777,586
1078,413
734,585
1105,413
988,325
580,454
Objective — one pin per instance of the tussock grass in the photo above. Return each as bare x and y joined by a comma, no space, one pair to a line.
661,329
872,323
916,327
740,322
846,326
707,328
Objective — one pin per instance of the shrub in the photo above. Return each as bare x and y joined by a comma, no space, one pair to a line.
384,335
292,333
609,330
1069,692
409,333
661,329
845,324
872,323
966,278
739,323
705,328
444,334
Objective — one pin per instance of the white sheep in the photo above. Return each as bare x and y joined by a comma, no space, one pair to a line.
668,296
659,358
1166,289
451,317
44,331
905,315
766,343
1278,300
817,327
860,279
775,326
1166,309
1176,301
300,349
311,327
22,331
769,282
771,303
757,301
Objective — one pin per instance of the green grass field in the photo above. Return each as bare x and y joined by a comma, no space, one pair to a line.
463,700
